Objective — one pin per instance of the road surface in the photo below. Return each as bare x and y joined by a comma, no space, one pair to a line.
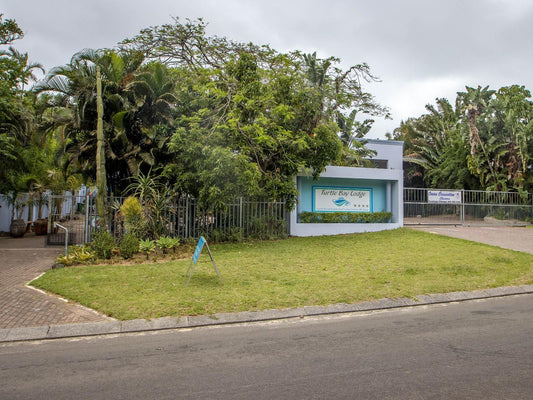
471,350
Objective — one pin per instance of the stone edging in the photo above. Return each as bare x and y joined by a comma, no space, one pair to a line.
141,325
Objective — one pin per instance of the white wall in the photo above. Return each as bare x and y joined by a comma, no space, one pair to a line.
392,151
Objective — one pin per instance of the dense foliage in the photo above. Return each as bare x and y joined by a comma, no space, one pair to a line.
483,141
210,117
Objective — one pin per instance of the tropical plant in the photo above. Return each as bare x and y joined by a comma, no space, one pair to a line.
174,243
147,246
132,211
165,243
444,143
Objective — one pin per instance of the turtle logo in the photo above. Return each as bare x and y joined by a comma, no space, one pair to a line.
340,202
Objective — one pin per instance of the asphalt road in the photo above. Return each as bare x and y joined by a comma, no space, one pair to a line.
471,350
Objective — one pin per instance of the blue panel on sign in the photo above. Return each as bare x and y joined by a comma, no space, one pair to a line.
198,250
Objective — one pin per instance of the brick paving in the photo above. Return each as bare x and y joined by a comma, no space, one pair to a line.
22,260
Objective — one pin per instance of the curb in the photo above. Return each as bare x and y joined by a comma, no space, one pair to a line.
141,325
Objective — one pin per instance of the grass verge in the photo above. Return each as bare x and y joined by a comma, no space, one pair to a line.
293,273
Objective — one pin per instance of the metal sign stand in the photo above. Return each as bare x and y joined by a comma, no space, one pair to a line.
196,255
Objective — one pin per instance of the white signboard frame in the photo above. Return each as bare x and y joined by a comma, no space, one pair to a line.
445,196
342,199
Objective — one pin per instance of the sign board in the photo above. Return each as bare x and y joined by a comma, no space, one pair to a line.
340,199
198,249
196,255
444,196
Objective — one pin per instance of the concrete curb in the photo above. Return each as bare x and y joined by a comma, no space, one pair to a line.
141,325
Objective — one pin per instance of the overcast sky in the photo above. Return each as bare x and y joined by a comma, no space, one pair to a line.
421,49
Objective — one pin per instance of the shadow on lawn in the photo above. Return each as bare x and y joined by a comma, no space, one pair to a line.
204,280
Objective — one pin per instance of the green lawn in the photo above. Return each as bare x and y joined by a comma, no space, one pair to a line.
292,273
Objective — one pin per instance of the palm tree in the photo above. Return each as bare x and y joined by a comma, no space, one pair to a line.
144,130
435,142
26,69
74,88
474,102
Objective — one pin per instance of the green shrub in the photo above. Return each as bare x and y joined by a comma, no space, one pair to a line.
165,243
129,245
234,235
102,244
132,211
147,246
308,217
81,254
77,255
266,228
174,243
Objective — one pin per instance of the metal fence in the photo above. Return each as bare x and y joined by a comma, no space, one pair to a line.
76,213
466,207
182,217
246,217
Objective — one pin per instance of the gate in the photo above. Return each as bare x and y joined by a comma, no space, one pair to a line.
466,207
77,213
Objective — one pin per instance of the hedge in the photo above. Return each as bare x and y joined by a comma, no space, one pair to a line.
308,217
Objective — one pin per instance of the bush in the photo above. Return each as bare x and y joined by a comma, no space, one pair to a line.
103,244
129,245
134,220
235,235
308,217
165,243
267,228
77,255
147,246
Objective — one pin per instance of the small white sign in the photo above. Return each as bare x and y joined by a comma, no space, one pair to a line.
444,196
336,199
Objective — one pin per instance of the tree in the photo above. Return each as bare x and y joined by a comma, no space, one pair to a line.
436,143
444,142
214,117
9,31
515,112
25,67
101,182
74,89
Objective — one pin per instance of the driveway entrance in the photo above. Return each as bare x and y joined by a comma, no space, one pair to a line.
22,260
514,238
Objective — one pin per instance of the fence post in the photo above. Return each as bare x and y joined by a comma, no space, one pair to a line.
240,213
462,207
86,227
49,229
186,222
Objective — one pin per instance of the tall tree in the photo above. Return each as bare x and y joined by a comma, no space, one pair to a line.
101,181
445,141
74,88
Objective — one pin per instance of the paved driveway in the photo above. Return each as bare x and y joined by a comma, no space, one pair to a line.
22,260
514,238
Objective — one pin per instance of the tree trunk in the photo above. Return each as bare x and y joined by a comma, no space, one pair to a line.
474,133
475,138
101,182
